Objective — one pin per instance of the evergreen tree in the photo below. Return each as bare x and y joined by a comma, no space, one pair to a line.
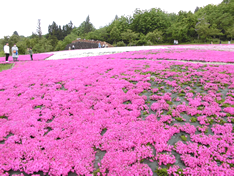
88,27
15,33
197,8
39,32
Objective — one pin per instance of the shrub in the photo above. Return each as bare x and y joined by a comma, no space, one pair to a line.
121,43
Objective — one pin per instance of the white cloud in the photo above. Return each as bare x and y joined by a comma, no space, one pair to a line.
22,16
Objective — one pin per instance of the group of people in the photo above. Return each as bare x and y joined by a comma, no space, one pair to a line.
14,51
102,46
73,47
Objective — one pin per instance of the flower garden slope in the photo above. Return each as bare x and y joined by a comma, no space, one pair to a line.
36,57
53,114
183,54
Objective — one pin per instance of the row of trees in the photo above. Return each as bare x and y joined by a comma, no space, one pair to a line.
144,27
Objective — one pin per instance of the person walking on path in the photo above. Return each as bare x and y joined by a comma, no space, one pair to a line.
73,47
14,51
99,45
7,51
30,53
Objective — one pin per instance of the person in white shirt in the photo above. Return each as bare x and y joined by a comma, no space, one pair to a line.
7,51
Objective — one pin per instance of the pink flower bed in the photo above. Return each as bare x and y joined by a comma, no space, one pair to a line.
36,57
53,115
185,54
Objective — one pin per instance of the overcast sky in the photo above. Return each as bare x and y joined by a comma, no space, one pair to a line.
22,15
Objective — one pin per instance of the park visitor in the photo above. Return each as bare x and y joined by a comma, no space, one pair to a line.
14,51
30,53
7,51
73,47
99,45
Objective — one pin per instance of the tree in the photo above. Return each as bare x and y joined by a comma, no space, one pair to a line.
214,31
202,28
147,21
116,17
39,32
100,34
67,29
5,40
53,29
115,34
230,32
197,8
226,1
155,36
129,35
15,33
142,40
13,40
53,41
84,28
88,27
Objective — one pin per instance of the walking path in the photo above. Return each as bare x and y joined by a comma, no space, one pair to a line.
98,51
57,55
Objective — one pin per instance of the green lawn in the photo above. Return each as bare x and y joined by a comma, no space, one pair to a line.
5,66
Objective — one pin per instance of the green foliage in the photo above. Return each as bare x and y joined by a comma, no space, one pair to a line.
60,32
121,43
193,119
180,172
210,120
230,32
5,66
179,119
169,112
155,36
115,34
96,172
84,28
184,138
148,20
169,102
181,94
3,116
67,40
2,54
161,172
202,28
129,35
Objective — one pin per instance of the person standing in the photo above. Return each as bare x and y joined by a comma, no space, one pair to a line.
99,45
73,47
7,51
30,53
14,51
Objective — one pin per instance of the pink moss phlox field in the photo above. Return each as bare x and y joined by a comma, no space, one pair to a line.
56,115
186,54
36,57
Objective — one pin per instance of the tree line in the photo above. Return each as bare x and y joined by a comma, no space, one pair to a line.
143,27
